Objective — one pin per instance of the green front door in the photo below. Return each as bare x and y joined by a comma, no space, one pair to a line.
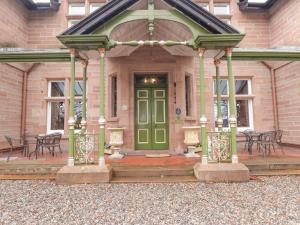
151,119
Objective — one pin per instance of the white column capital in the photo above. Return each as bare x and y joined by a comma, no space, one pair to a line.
217,62
201,52
229,52
102,52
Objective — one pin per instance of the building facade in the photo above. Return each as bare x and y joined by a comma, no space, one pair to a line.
151,92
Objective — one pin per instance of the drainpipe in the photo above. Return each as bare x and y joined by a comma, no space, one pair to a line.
274,95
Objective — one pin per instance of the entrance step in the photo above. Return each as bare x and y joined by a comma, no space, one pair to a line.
153,174
152,171
281,172
162,179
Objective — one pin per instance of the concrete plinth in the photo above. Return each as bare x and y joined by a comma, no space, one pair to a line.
222,172
83,175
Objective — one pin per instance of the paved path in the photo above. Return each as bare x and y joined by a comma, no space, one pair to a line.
274,200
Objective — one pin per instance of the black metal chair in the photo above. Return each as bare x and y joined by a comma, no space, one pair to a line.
266,140
52,141
23,147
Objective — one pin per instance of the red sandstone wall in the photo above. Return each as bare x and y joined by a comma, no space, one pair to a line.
13,33
285,31
10,102
284,23
13,23
288,93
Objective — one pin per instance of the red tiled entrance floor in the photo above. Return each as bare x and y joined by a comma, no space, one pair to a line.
285,155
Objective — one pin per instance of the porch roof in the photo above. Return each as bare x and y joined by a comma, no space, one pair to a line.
34,55
266,54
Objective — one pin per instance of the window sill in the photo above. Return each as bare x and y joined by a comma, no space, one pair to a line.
75,17
113,119
190,118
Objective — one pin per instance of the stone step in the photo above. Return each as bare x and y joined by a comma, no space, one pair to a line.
162,179
284,172
29,170
274,166
46,176
153,171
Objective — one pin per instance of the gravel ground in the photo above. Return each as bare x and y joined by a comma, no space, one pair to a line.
274,200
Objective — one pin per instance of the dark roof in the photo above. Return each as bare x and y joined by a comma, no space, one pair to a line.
115,7
245,5
31,5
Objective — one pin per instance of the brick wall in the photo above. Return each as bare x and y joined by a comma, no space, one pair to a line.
285,31
13,23
284,23
10,103
288,92
13,33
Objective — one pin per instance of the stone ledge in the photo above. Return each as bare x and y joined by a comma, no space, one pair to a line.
222,172
83,175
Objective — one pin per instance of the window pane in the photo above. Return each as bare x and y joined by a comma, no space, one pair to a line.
224,109
241,87
223,87
76,9
78,88
57,89
221,9
205,6
72,22
114,95
78,115
188,95
57,119
94,7
242,109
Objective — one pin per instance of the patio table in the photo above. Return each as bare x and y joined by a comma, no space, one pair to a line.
39,144
253,136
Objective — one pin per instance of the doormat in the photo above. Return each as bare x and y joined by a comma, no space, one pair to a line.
157,155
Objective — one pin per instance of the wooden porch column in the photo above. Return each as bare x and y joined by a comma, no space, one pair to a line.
232,107
71,121
102,120
219,100
203,118
84,99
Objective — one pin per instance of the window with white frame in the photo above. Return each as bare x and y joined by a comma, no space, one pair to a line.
77,9
95,6
221,9
205,6
57,101
56,106
72,23
244,105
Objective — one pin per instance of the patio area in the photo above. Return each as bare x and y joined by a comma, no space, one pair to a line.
285,161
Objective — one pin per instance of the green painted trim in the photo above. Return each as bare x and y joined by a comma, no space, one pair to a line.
35,56
202,105
85,41
72,108
215,41
232,106
102,106
171,15
265,55
219,98
84,98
